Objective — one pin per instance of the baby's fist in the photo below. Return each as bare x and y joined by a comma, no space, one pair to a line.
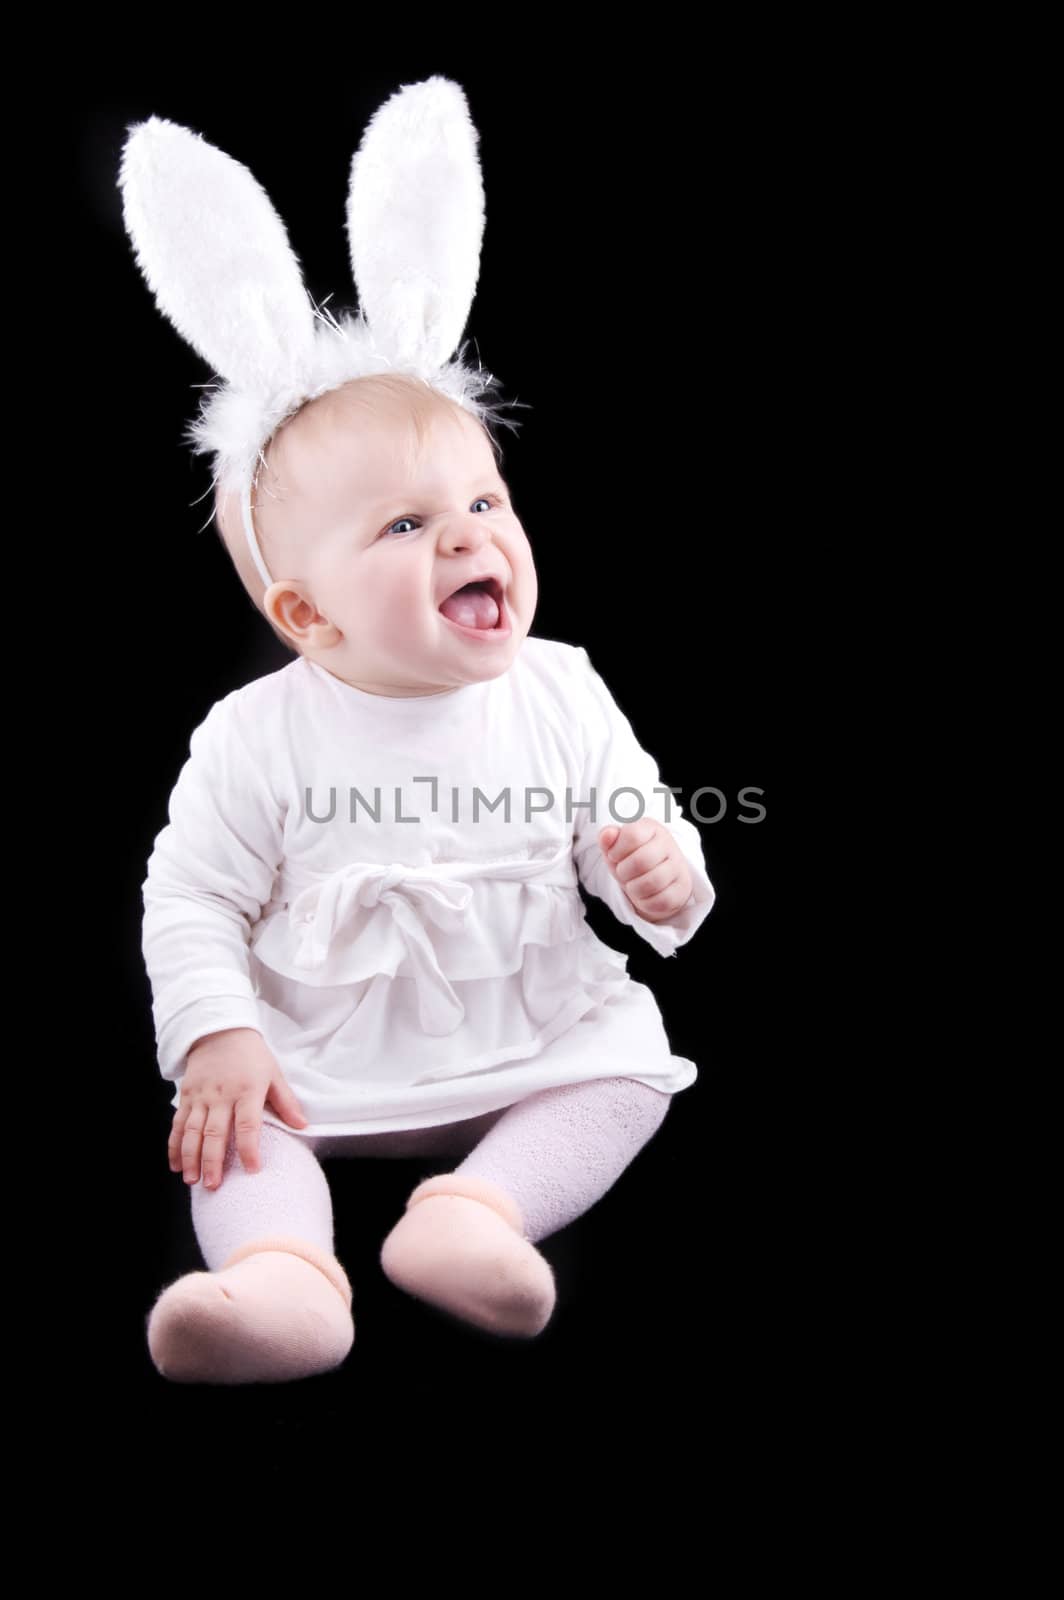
649,866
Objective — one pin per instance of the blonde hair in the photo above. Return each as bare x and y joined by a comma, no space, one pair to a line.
404,397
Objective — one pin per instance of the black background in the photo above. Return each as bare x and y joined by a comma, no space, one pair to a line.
651,287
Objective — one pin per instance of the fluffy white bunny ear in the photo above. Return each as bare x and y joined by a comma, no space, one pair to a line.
217,259
216,256
415,222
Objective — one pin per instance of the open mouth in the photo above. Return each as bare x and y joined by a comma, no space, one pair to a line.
478,608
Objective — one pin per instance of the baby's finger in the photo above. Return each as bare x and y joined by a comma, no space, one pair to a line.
173,1144
191,1141
215,1139
248,1114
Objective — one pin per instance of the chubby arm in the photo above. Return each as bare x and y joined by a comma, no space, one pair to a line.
658,854
210,873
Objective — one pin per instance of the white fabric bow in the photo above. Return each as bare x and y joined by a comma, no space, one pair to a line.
438,892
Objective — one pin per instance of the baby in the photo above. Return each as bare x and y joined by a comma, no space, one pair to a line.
362,923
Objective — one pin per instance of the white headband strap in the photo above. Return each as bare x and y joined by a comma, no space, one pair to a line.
249,530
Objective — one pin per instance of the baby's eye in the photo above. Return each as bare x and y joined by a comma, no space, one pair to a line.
488,500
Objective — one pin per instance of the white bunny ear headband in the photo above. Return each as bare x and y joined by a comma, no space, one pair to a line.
216,256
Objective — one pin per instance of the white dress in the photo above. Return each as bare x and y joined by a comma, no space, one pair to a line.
387,890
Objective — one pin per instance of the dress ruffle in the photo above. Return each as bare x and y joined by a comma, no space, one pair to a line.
376,982
373,1025
439,923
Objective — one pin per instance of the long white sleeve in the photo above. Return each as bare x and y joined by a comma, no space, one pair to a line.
616,760
211,871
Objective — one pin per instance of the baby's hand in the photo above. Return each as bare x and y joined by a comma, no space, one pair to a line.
649,866
229,1076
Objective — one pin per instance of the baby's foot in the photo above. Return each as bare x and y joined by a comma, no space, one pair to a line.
278,1309
460,1246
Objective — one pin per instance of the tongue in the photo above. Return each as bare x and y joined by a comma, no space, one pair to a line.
473,607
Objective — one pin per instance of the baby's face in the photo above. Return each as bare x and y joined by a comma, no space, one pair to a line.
372,541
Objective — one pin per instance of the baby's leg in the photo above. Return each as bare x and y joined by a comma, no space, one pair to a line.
288,1195
557,1152
466,1241
276,1303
